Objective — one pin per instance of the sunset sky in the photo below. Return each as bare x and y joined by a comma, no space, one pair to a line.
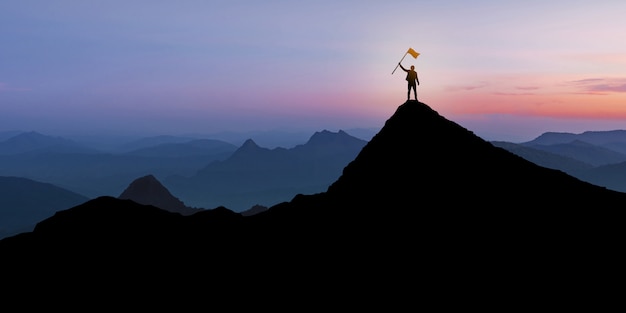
506,70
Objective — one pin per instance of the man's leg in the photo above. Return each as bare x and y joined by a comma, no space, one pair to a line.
408,93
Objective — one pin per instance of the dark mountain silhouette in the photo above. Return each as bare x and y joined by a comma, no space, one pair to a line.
256,175
25,202
148,190
255,209
425,202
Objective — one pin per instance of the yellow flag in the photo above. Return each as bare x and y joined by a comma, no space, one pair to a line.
413,53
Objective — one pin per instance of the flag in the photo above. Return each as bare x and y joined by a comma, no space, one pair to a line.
412,52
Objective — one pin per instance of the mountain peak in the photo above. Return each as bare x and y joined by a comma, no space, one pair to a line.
325,137
149,191
419,151
247,148
249,144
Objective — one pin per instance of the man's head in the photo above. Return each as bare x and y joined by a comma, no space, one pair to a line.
412,67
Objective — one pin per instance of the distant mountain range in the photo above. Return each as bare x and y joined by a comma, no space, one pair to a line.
253,175
598,157
425,202
95,173
611,139
248,181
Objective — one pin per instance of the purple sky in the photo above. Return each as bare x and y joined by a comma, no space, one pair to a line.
505,70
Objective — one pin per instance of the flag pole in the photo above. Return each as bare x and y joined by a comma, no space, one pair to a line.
399,62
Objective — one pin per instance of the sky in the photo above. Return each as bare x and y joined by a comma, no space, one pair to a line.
506,70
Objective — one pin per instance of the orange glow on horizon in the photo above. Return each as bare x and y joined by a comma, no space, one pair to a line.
557,96
560,106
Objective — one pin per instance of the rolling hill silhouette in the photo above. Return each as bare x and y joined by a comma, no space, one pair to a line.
426,202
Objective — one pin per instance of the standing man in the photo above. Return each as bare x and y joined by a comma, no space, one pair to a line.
411,77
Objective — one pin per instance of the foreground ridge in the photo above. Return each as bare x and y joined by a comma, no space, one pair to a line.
425,200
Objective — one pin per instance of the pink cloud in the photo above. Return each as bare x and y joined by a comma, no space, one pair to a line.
600,86
525,92
514,94
466,87
527,87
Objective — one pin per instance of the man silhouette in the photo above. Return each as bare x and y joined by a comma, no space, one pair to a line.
411,77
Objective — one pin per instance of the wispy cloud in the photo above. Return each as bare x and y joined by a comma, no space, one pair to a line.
599,86
524,91
527,87
466,87
514,94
